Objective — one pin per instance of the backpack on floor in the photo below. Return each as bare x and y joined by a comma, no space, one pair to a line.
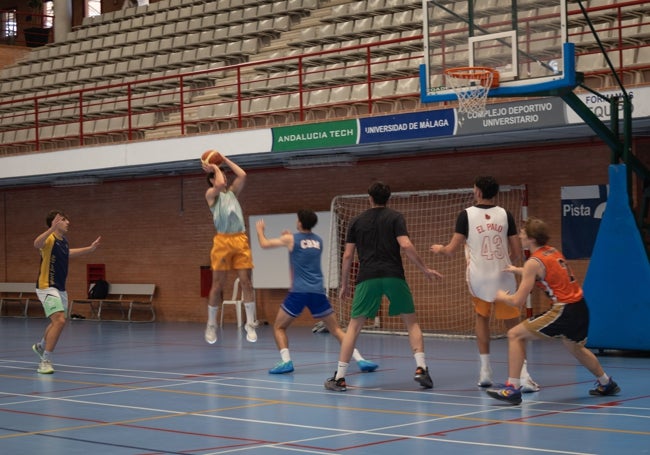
98,290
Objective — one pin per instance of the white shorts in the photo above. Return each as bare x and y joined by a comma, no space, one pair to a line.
53,300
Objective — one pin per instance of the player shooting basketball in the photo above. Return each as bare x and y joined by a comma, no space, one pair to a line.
230,247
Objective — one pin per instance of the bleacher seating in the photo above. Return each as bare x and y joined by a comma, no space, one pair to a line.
348,47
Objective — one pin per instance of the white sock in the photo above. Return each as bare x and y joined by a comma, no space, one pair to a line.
212,315
356,355
603,380
485,361
524,371
46,355
420,360
250,312
342,370
284,353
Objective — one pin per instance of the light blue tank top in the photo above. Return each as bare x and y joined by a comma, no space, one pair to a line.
227,214
305,260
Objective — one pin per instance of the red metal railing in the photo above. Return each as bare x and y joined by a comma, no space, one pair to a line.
275,91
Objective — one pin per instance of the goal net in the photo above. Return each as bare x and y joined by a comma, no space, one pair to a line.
444,306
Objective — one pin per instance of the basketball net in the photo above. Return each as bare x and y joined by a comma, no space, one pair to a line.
472,85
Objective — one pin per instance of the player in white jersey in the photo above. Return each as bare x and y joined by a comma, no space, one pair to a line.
489,234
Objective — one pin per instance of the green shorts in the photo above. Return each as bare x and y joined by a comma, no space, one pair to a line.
368,295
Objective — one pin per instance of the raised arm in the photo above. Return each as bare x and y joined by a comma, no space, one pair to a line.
285,239
218,183
240,176
85,250
39,242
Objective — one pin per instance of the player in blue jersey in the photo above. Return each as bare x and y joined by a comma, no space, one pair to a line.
50,287
307,287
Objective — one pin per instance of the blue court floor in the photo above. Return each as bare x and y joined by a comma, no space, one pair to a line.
160,389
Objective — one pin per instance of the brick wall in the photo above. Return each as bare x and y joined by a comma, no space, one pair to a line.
159,230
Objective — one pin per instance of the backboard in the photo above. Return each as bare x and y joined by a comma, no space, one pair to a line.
525,40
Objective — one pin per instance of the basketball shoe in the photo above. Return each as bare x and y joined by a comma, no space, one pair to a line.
210,334
282,368
508,393
367,366
611,388
337,385
422,376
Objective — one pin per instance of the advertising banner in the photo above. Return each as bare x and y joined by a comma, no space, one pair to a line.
582,210
416,125
541,113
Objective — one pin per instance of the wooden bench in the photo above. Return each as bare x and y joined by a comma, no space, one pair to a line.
124,297
18,293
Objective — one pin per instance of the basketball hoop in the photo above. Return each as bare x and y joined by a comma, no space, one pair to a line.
472,85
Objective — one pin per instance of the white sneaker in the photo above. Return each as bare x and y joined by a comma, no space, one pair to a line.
485,377
251,334
211,334
45,367
529,386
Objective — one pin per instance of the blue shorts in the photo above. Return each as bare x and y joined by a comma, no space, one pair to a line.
318,304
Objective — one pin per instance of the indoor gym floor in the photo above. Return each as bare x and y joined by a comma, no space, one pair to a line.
158,388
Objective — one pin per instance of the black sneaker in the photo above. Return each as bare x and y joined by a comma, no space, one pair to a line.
422,376
611,388
507,393
337,385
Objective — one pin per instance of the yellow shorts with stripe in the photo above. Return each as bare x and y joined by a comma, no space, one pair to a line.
231,252
501,310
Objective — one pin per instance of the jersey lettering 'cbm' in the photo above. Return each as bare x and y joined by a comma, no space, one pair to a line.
305,260
486,252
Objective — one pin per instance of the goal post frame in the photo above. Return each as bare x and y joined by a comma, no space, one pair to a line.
444,306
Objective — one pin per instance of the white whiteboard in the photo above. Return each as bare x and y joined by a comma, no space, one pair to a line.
271,269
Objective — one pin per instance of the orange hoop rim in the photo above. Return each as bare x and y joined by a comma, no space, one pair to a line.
474,72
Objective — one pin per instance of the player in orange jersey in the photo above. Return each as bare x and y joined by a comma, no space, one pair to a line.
567,319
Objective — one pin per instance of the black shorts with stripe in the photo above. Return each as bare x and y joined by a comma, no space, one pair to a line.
568,320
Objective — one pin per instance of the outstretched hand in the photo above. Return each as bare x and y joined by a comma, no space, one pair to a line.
58,219
512,269
432,274
95,244
504,296
208,167
436,249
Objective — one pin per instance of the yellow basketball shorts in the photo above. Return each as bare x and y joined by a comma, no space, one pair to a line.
231,252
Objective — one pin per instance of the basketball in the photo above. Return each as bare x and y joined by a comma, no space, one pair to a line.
212,157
